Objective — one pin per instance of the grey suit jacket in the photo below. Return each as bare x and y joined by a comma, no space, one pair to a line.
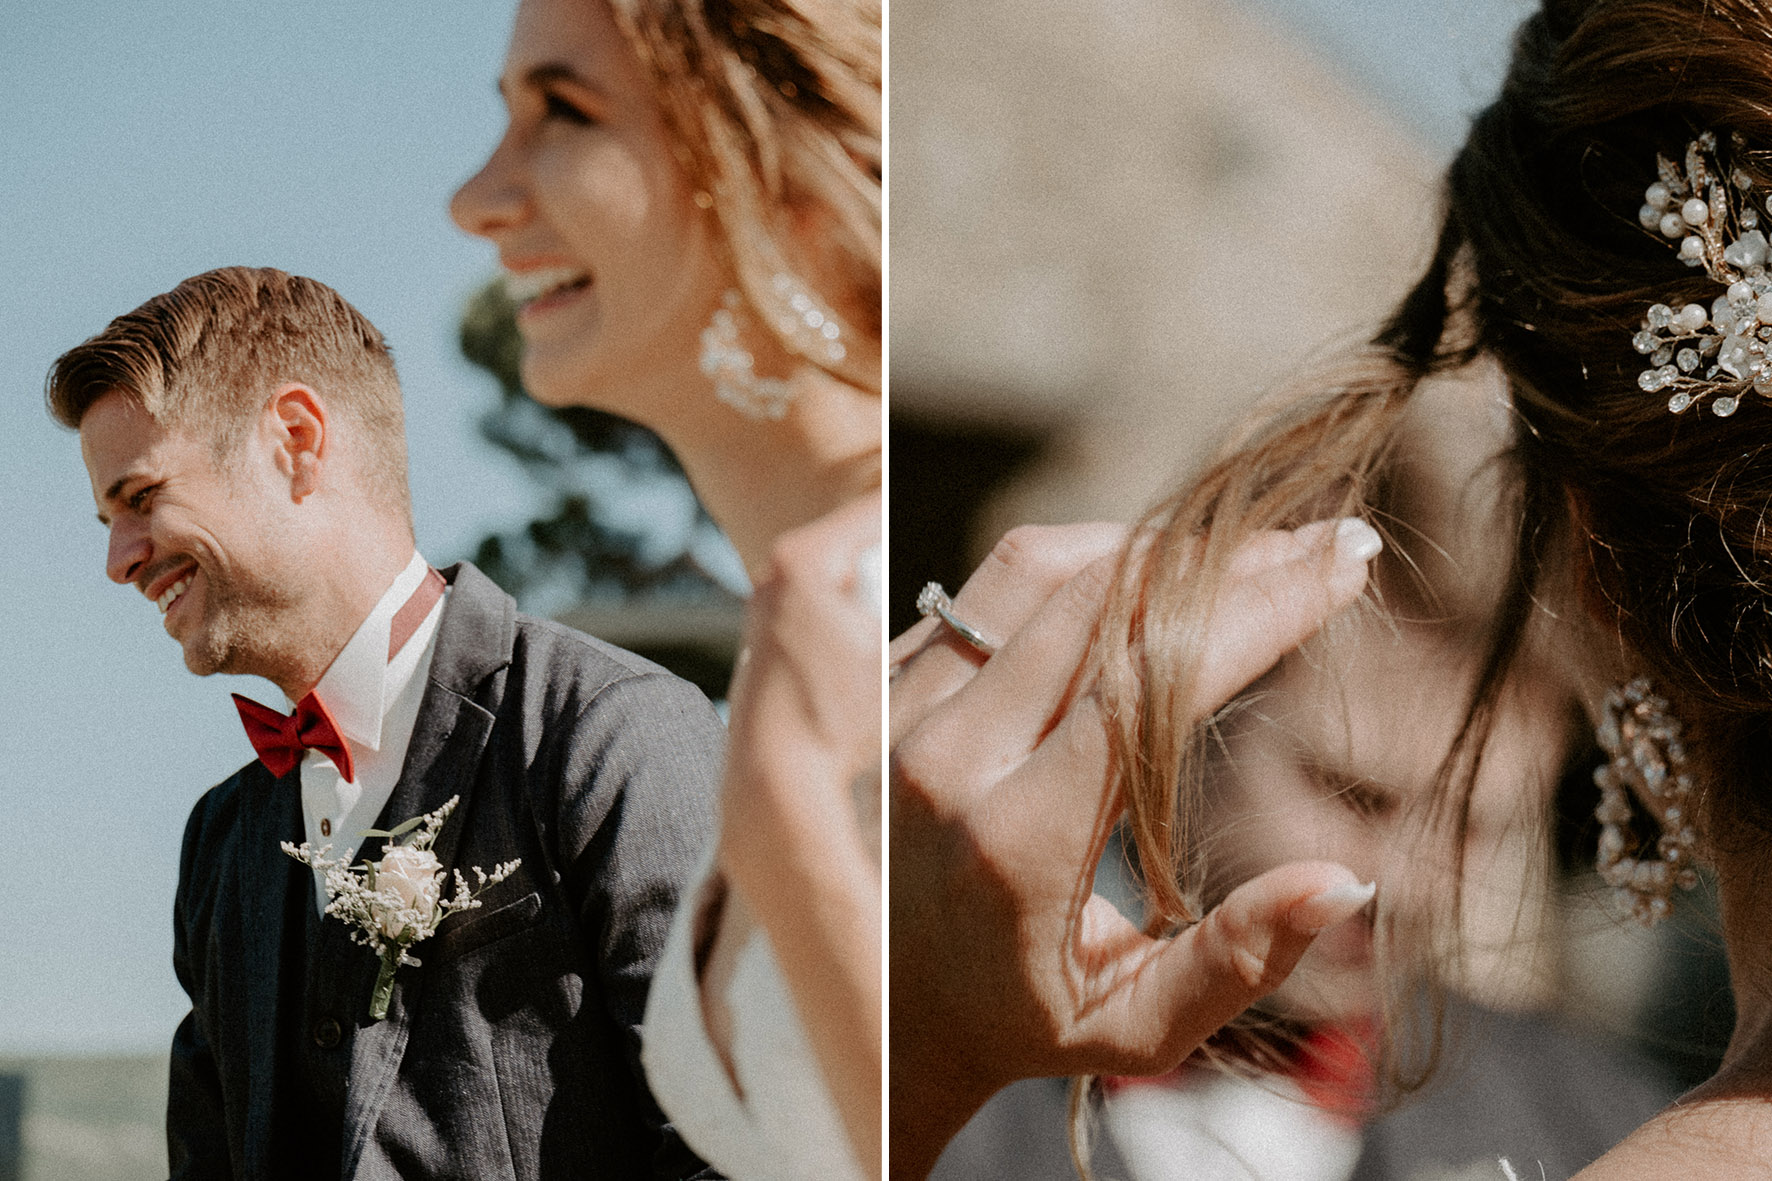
513,1051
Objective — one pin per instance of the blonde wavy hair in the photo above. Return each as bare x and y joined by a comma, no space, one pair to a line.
776,110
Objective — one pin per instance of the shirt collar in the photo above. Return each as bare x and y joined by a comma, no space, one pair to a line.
355,688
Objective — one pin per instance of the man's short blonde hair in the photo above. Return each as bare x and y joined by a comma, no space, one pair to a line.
206,355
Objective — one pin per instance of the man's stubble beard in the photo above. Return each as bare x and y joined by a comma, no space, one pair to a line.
245,629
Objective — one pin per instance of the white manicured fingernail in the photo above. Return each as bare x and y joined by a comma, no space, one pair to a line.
1356,541
1335,905
1348,894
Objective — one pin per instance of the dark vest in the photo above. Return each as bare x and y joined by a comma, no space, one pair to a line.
325,987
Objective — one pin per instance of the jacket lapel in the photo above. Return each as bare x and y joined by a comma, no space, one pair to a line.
271,814
466,683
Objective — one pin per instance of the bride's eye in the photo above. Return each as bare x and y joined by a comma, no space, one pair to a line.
1363,797
555,106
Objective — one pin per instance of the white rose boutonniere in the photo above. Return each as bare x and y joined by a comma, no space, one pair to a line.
399,900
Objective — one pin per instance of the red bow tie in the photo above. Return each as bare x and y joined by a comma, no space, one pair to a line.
280,738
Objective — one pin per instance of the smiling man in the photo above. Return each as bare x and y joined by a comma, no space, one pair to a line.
245,440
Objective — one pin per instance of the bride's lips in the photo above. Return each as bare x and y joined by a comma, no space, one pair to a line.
539,290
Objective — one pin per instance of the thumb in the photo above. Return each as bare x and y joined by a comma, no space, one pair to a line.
1241,951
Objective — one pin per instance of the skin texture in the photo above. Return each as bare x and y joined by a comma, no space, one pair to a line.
800,832
255,539
1004,964
1723,1127
1333,756
586,178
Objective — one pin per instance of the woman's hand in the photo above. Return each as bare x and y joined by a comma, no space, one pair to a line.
800,838
1005,965
805,721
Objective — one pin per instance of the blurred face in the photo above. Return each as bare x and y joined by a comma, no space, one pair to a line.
612,263
192,538
1333,756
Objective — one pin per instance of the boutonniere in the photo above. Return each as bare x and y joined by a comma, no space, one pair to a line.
397,901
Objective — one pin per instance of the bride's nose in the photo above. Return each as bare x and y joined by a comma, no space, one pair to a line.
494,198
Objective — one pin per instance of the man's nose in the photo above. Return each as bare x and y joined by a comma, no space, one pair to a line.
129,550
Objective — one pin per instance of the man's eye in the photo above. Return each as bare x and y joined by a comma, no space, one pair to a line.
138,502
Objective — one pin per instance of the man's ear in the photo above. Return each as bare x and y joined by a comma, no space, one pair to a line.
296,417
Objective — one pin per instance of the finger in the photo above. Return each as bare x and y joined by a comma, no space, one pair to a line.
1055,813
992,722
1262,611
1075,756
1274,547
930,662
834,558
1259,617
1162,1001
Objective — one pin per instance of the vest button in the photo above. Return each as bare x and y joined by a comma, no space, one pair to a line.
327,1033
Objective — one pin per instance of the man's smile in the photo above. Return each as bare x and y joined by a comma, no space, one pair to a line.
166,590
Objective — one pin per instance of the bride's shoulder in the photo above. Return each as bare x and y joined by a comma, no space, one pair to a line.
1709,1137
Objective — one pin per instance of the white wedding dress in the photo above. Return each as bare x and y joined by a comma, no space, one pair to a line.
780,1122
784,1124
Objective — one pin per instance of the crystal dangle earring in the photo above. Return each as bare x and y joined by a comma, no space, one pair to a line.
810,328
807,326
1644,752
734,371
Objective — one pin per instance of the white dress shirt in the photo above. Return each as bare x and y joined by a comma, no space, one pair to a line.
374,702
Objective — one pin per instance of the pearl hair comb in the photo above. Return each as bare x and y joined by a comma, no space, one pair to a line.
1722,352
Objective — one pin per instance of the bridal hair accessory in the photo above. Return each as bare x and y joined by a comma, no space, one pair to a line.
398,900
1729,341
933,600
807,327
1643,752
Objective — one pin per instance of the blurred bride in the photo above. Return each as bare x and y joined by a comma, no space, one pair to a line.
686,201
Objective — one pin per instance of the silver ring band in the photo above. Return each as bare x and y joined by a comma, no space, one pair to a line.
933,600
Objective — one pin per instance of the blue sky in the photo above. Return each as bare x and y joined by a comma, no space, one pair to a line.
142,143
1433,63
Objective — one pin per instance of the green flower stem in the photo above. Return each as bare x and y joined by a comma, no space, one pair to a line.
384,984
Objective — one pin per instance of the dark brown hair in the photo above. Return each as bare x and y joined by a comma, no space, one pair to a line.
1653,522
206,355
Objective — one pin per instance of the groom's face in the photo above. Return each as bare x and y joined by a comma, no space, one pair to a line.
193,535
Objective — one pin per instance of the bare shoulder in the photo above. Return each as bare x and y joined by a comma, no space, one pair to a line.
1712,1137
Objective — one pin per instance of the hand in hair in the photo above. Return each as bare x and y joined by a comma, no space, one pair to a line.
1005,965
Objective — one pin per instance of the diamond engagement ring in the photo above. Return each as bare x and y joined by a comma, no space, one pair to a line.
933,600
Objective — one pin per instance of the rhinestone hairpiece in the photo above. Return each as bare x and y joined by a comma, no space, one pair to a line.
1644,753
1723,352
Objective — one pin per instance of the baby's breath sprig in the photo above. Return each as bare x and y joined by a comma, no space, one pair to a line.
397,901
